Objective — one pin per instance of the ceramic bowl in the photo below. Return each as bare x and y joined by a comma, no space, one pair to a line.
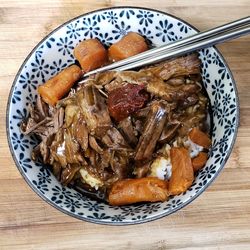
54,53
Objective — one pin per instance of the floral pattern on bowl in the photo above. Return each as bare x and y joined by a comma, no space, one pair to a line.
54,53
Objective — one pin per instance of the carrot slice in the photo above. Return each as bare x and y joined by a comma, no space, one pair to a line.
182,171
91,54
130,191
200,138
130,45
58,86
199,161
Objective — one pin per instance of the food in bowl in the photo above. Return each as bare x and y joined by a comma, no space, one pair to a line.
55,52
131,136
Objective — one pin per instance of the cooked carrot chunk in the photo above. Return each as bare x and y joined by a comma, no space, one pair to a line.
200,138
130,191
182,171
58,86
199,161
91,54
130,45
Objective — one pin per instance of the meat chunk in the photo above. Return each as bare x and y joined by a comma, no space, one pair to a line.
38,116
142,170
94,145
44,123
142,113
105,78
65,148
68,173
152,131
114,85
128,131
44,148
72,148
189,101
120,164
42,108
134,77
81,132
169,132
180,66
71,114
176,81
171,93
114,140
94,110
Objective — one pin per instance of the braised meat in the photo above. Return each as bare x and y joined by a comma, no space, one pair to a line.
94,110
182,66
152,132
128,131
120,125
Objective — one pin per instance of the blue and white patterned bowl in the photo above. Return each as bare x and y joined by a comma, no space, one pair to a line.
54,53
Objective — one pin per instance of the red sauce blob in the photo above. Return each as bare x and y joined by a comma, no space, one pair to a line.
126,100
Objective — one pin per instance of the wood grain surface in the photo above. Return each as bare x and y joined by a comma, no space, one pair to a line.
218,219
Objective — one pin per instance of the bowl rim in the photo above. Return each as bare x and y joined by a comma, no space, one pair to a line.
97,221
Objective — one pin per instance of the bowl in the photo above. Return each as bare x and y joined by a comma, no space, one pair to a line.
54,53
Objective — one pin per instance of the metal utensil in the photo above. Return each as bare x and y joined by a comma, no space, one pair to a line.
198,41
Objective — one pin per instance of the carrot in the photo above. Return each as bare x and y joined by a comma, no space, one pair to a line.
130,45
182,171
200,138
130,191
91,54
199,161
58,86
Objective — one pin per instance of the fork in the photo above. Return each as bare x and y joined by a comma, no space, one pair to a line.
195,42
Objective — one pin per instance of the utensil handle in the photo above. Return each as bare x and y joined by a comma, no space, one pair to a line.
204,39
207,42
186,41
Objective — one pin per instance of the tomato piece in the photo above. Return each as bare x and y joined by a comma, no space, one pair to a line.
126,100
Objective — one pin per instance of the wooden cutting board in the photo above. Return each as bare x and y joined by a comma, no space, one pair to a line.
218,219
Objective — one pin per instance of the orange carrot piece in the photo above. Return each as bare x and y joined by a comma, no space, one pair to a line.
128,191
199,161
91,54
58,86
130,45
200,138
182,171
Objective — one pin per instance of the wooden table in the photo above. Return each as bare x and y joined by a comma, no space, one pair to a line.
218,219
